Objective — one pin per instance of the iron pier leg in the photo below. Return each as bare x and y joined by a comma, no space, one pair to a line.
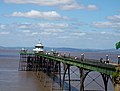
60,73
105,80
69,77
66,68
81,79
82,75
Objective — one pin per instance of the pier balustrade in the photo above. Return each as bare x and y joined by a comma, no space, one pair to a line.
59,68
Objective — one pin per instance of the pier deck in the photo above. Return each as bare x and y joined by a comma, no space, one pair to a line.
52,64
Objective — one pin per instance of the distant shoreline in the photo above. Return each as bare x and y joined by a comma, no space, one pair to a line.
64,49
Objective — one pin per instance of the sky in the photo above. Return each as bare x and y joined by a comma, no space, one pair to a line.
86,24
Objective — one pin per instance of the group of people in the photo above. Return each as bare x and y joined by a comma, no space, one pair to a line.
104,61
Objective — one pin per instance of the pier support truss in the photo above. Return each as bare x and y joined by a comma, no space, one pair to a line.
60,74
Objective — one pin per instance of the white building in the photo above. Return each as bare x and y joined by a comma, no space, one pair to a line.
38,47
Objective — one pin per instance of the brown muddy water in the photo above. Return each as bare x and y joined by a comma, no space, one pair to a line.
13,80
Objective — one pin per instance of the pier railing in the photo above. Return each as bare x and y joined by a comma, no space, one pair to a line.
107,70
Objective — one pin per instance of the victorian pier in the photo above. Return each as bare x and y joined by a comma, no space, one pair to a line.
56,70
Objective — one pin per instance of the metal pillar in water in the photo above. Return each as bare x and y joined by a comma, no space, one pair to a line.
69,77
66,67
81,79
105,80
60,73
82,75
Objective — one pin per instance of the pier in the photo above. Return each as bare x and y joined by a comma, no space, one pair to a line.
56,70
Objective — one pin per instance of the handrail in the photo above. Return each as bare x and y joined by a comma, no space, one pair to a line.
86,64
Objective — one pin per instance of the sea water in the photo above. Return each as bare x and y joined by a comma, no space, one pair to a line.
13,80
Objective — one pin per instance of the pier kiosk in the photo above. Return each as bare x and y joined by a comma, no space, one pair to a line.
38,47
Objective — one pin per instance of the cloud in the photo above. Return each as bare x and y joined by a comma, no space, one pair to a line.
102,24
40,2
42,33
35,33
44,29
92,7
54,30
62,4
48,32
78,34
45,33
24,26
2,26
64,37
43,26
107,24
50,15
103,32
4,33
113,22
26,31
115,18
35,26
73,6
53,25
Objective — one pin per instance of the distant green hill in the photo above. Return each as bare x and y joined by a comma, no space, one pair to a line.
62,49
